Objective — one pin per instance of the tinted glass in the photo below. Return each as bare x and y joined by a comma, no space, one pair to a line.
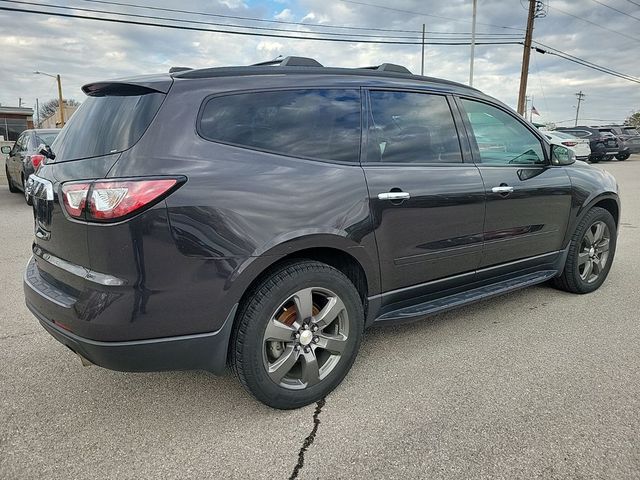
46,138
104,125
322,124
411,128
564,135
501,138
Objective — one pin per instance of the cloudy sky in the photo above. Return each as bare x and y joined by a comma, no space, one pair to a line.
86,50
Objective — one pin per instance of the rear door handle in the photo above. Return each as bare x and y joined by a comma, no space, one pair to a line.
394,196
502,189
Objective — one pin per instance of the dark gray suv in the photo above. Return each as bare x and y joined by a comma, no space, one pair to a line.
261,217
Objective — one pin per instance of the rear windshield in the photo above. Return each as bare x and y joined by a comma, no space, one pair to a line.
630,131
46,138
106,124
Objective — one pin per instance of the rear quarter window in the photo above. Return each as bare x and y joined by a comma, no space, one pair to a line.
312,123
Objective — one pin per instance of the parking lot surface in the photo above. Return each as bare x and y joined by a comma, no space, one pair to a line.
535,384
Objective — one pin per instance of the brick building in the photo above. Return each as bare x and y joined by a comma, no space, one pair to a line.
14,120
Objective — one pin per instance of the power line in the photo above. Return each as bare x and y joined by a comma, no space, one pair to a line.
595,24
235,32
615,9
152,17
585,63
637,4
253,19
412,12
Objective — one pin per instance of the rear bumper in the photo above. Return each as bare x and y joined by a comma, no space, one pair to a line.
206,351
202,351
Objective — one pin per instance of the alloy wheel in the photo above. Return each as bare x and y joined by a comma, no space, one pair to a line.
305,338
594,252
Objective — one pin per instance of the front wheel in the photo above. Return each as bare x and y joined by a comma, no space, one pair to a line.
622,156
12,187
297,334
591,252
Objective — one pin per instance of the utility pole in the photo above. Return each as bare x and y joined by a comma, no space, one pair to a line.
60,101
580,96
19,102
423,33
526,106
525,57
531,110
473,41
37,113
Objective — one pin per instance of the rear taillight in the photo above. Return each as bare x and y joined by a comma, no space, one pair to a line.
74,198
109,200
36,160
570,144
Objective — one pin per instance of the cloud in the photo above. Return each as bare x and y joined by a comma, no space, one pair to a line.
83,51
285,14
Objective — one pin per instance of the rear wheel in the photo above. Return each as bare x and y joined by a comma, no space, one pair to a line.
27,197
12,187
623,156
591,252
297,334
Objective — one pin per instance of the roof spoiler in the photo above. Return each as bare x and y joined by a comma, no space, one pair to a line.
126,88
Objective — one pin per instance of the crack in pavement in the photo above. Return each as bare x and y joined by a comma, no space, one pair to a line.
17,335
309,440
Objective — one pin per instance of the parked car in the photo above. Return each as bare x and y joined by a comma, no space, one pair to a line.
629,135
580,146
261,217
24,158
603,146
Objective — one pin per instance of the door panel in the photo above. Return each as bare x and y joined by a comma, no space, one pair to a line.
435,233
427,205
528,201
529,221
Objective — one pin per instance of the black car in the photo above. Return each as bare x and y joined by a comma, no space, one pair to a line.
629,135
261,217
604,145
24,158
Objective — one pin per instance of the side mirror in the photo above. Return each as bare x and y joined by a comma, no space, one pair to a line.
46,151
562,155
6,149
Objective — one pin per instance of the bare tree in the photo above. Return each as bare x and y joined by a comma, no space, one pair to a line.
49,107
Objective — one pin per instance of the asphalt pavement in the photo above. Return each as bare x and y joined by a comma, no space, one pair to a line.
535,384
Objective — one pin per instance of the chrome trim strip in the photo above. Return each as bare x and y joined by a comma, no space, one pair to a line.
78,270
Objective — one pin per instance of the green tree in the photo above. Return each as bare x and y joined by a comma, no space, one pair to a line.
633,120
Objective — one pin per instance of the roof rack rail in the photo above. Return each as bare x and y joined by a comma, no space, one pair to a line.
291,62
179,69
389,67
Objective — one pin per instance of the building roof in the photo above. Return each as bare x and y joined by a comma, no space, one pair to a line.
27,112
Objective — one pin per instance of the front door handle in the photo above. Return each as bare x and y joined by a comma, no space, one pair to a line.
394,196
502,189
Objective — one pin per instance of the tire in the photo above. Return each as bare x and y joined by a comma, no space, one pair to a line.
12,187
622,156
608,158
594,159
27,198
579,274
292,371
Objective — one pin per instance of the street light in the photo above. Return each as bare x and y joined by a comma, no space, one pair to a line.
60,102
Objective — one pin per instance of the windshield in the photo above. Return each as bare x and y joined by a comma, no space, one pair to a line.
106,124
563,135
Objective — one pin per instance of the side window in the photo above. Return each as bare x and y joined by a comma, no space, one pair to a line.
19,144
323,124
407,127
501,139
